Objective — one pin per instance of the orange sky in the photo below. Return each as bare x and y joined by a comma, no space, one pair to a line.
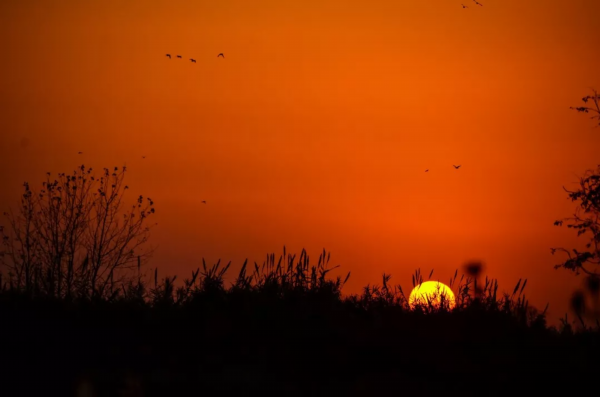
315,129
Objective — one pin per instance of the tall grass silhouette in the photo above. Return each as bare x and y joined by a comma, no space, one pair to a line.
282,326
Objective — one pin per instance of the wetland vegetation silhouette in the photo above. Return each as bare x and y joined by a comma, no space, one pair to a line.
80,314
281,327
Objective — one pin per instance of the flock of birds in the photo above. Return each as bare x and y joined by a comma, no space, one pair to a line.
223,56
192,59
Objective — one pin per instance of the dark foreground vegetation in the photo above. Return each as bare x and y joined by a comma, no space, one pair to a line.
284,328
76,319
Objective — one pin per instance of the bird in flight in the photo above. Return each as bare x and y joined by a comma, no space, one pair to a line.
143,157
169,55
221,55
426,170
193,60
79,152
179,56
478,3
464,6
456,166
203,201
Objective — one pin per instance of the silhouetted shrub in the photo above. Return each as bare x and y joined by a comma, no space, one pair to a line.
73,238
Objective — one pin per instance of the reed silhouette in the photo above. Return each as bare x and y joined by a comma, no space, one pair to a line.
281,327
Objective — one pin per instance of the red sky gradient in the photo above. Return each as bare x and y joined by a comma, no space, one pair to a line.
316,128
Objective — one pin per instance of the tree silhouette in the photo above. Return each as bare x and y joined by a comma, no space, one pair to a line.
73,238
586,219
594,100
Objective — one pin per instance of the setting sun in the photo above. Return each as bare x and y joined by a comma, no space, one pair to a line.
239,195
432,292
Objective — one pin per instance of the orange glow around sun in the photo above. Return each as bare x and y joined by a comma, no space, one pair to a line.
432,292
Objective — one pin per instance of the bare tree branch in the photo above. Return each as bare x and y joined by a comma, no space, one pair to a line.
74,236
586,219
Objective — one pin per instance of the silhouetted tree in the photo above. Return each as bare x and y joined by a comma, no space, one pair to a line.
594,100
73,236
586,219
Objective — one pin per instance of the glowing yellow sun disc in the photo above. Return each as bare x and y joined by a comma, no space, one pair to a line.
432,292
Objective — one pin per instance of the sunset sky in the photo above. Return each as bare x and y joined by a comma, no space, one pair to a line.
316,128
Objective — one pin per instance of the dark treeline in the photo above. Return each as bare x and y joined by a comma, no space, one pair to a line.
284,328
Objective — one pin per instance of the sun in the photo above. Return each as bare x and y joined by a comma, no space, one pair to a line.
432,292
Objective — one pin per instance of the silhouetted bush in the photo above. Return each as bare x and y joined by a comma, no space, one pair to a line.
73,237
